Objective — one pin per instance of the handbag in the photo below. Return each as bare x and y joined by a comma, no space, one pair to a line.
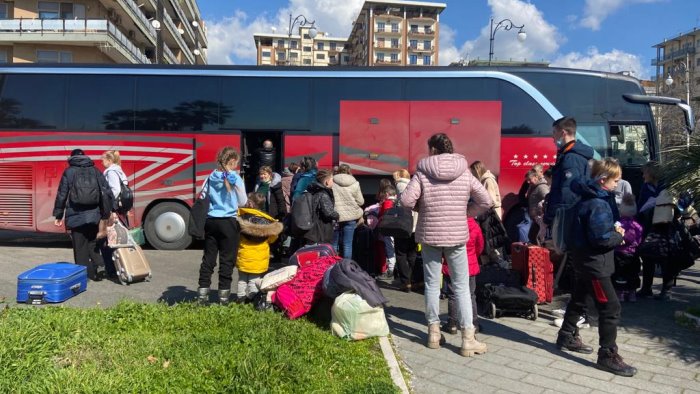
396,222
198,213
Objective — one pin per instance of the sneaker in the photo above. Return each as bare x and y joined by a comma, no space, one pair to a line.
609,360
449,327
632,296
580,324
572,342
559,312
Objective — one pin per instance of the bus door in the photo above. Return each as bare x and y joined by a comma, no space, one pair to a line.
251,141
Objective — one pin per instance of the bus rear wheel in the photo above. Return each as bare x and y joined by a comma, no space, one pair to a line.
165,226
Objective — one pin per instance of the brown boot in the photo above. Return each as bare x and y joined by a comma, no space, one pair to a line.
435,338
470,346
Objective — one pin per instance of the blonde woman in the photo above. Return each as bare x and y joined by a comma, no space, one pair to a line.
112,162
487,179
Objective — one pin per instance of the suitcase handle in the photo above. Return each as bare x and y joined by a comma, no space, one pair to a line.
75,288
36,297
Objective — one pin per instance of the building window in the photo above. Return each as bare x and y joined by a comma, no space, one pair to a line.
426,60
346,59
48,10
3,56
320,56
307,61
319,46
413,59
280,43
380,57
380,26
54,57
428,29
414,28
394,42
394,27
380,42
281,56
293,44
414,44
307,37
426,44
3,10
55,10
307,49
332,58
293,55
394,57
334,46
266,54
697,61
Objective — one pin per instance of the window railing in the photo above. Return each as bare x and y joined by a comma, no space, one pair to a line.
141,16
181,41
63,26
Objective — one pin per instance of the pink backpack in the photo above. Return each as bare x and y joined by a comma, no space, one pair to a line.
297,296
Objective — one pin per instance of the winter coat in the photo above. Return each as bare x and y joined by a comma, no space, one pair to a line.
305,180
489,182
286,189
441,190
535,198
348,197
647,191
322,230
475,246
265,157
347,275
623,187
632,237
115,177
401,185
78,215
594,231
494,232
571,164
258,231
277,207
225,203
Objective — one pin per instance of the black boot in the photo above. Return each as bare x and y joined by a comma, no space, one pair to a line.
203,295
609,360
572,342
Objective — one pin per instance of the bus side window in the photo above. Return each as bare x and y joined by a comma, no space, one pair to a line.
629,144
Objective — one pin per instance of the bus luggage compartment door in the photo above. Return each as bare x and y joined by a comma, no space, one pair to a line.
374,136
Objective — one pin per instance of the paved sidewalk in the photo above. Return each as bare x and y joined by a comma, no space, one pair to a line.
522,357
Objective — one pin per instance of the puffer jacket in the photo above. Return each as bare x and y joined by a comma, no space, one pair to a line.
305,180
489,182
258,231
348,197
78,215
322,230
535,197
286,189
572,163
475,246
401,185
594,231
442,188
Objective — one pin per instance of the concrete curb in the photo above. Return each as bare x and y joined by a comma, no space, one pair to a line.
393,364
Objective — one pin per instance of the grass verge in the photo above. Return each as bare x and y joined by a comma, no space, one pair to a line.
156,348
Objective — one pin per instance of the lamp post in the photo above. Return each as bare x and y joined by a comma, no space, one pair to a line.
684,68
302,21
505,24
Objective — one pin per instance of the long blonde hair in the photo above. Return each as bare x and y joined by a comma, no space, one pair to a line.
113,156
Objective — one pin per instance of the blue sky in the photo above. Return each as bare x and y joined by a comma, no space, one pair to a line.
608,35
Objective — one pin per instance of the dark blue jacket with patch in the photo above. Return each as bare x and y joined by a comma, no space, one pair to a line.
572,163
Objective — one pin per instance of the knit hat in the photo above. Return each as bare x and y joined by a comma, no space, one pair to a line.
77,152
628,208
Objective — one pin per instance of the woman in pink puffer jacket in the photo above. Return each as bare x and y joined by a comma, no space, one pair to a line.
442,188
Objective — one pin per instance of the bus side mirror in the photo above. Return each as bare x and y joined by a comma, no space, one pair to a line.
689,117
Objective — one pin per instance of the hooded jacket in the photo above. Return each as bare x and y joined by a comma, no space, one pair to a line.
401,185
115,177
441,190
303,183
277,208
258,231
286,189
348,197
535,197
224,204
489,182
322,230
595,235
78,215
572,163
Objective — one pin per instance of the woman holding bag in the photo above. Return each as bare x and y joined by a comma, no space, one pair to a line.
111,160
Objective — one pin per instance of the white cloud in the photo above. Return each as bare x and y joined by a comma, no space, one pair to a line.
613,61
596,11
231,38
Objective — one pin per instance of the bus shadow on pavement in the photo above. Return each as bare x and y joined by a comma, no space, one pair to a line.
177,294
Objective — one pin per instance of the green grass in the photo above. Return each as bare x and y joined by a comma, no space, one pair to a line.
149,348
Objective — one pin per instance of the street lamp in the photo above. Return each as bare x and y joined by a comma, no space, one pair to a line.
302,21
681,67
505,24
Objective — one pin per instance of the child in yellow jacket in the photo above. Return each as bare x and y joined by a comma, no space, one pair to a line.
258,231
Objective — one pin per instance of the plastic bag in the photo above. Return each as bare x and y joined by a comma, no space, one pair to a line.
118,236
354,319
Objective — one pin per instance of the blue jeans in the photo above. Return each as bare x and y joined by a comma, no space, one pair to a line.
524,229
347,229
456,257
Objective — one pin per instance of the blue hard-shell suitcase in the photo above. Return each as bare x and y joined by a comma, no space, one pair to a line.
49,283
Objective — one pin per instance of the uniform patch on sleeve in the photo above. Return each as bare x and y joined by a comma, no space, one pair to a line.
568,174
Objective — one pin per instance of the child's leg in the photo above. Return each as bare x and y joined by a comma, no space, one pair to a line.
390,253
242,283
452,309
252,287
472,290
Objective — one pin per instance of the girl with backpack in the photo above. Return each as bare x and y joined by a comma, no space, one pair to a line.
116,177
226,191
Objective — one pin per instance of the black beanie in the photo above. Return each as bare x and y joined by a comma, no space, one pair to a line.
77,152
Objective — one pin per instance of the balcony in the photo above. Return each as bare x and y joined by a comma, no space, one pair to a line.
388,62
421,49
135,13
674,55
178,38
72,31
425,32
388,32
387,46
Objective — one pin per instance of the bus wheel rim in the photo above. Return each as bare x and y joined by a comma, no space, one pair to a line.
170,227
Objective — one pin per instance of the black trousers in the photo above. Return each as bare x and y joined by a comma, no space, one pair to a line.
221,238
405,249
85,249
606,303
452,309
648,269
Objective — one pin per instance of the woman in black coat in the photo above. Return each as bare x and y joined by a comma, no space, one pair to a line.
325,214
270,186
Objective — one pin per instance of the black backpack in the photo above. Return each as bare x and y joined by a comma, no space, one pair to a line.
125,200
85,189
303,213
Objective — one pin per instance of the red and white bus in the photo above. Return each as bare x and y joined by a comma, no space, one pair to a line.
169,122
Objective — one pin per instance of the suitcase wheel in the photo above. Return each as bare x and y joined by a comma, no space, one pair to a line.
148,278
534,314
494,312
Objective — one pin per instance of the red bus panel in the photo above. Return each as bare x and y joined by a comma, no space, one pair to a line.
320,147
518,155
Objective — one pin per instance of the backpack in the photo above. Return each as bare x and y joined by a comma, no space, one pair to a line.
125,200
85,189
303,214
563,227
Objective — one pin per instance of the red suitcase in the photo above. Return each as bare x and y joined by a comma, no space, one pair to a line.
308,254
535,268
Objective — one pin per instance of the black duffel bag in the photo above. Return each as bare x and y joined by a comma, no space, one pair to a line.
199,212
396,222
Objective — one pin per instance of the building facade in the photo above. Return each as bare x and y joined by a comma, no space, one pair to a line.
390,32
102,31
300,49
679,58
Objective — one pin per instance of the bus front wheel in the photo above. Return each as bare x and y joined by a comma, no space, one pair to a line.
165,226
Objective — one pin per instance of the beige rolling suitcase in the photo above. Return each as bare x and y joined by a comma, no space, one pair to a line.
131,264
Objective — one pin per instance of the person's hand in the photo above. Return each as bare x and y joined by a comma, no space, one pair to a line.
58,222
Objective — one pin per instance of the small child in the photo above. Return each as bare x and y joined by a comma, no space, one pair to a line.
387,201
258,231
627,263
475,245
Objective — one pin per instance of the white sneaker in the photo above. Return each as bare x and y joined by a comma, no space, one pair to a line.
559,312
580,324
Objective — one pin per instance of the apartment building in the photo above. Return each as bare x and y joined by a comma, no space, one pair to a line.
300,49
396,33
102,31
675,56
